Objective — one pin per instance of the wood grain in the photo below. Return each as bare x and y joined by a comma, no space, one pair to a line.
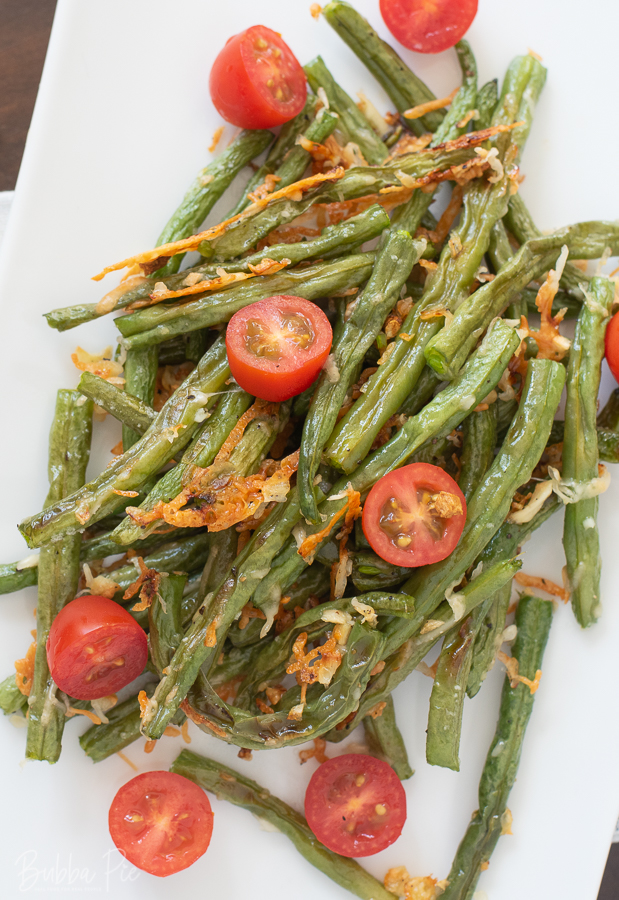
24,33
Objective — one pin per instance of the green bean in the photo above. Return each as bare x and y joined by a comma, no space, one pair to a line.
513,466
323,710
391,269
128,409
404,88
237,789
280,148
533,620
500,250
335,238
421,394
188,554
101,741
586,240
237,586
201,452
165,627
385,741
222,553
19,575
581,539
298,159
412,651
174,352
491,619
479,441
436,420
319,280
170,432
208,187
122,729
353,124
456,656
270,661
608,446
358,181
410,214
520,222
487,100
11,698
608,417
140,380
487,509
504,411
449,285
447,698
607,441
371,573
58,570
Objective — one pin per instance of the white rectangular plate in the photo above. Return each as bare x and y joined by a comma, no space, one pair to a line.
122,125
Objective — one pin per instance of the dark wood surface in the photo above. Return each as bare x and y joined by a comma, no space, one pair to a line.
24,33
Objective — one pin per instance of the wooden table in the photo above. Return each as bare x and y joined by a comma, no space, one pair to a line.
24,32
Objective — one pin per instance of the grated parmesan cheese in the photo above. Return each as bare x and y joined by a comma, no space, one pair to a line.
29,562
337,617
509,634
468,401
492,158
542,492
331,370
368,612
571,491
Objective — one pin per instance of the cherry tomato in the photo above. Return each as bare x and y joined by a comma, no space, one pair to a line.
355,805
161,822
95,648
428,26
257,81
414,515
276,347
612,346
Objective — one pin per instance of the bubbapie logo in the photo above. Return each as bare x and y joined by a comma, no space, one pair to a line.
63,874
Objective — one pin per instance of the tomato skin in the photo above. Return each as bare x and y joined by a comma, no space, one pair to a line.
611,345
91,622
343,814
297,368
176,814
428,27
404,484
238,80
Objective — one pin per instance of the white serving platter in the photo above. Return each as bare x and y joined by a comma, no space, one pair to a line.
121,126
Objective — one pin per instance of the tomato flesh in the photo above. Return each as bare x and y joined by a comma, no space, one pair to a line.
355,805
257,81
95,648
276,347
414,516
611,343
428,26
161,822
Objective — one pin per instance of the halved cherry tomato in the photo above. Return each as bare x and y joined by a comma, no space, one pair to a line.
95,648
161,822
257,81
355,805
428,26
612,346
414,515
276,347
